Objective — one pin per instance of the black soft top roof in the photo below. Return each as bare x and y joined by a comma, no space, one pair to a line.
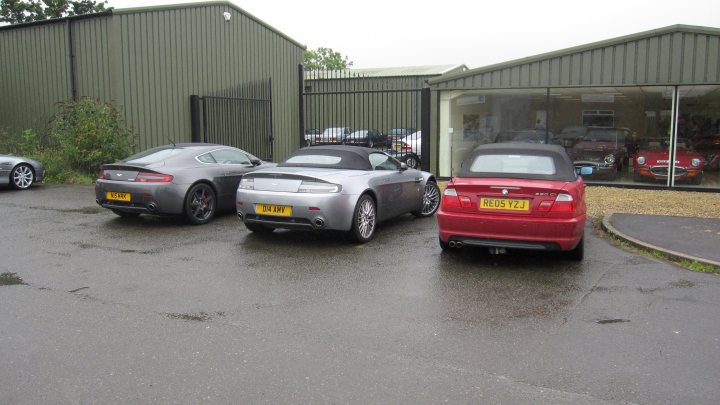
351,157
565,170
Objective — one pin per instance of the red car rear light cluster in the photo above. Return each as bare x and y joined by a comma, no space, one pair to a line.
563,203
148,177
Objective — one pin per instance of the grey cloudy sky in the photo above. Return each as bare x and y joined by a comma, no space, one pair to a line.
389,33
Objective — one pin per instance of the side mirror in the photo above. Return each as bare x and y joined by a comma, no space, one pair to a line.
403,167
256,162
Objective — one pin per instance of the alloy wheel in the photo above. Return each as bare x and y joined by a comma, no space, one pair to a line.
23,177
366,218
431,199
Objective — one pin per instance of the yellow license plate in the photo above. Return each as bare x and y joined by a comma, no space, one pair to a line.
277,210
507,204
111,195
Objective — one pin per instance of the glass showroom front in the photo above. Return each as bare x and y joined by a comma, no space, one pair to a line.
651,135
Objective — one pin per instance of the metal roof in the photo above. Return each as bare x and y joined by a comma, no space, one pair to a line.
132,10
476,75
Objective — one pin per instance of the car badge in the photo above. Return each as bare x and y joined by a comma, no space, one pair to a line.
505,191
118,174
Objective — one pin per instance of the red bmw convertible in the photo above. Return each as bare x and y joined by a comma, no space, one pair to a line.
515,196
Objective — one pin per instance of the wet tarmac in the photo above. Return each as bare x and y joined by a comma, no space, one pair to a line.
106,310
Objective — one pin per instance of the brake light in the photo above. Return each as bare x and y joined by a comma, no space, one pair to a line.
405,147
563,203
148,177
450,198
101,175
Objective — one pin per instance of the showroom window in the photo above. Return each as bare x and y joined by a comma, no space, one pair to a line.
628,135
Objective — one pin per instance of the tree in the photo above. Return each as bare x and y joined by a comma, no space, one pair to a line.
21,11
325,59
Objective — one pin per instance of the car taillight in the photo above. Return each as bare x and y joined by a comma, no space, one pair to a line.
406,147
148,177
101,175
450,198
563,203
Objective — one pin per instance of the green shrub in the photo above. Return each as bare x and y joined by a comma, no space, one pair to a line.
84,135
89,133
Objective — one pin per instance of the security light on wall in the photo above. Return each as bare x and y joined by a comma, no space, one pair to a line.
227,16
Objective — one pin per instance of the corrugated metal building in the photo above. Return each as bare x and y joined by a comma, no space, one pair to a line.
149,61
662,85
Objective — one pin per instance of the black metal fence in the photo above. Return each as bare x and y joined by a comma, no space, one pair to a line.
242,122
389,113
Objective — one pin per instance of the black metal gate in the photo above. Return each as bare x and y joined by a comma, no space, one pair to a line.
242,122
340,106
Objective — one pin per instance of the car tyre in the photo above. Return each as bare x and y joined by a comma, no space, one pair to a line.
430,200
22,176
412,161
200,204
364,220
258,228
125,214
697,180
578,253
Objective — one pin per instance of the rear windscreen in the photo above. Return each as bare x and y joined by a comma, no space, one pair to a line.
153,156
513,164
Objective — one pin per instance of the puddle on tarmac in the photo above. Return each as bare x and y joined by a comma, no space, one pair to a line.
11,279
607,321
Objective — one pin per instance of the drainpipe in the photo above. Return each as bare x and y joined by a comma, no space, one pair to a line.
71,59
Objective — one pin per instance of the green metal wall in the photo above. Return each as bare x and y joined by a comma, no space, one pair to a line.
34,75
674,55
149,62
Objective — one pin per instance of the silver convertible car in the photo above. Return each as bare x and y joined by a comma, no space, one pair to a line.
194,180
341,188
20,172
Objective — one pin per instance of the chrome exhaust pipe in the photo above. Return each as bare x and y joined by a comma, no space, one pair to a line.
458,245
319,222
241,216
151,207
97,202
451,243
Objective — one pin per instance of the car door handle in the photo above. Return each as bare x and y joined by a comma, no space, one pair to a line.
418,180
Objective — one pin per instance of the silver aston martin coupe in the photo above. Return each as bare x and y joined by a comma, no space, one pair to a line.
20,172
335,187
191,179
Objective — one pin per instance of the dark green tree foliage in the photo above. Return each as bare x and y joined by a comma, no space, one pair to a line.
325,59
21,11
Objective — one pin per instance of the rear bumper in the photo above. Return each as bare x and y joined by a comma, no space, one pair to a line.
511,232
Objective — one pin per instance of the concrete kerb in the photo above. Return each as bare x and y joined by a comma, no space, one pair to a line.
678,256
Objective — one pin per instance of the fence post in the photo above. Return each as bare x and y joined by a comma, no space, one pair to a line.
425,128
195,118
301,90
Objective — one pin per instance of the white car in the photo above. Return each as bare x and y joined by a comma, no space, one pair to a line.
334,135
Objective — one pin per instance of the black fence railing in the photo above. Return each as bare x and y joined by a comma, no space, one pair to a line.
388,113
242,122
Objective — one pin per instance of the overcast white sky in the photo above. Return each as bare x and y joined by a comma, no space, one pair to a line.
390,33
